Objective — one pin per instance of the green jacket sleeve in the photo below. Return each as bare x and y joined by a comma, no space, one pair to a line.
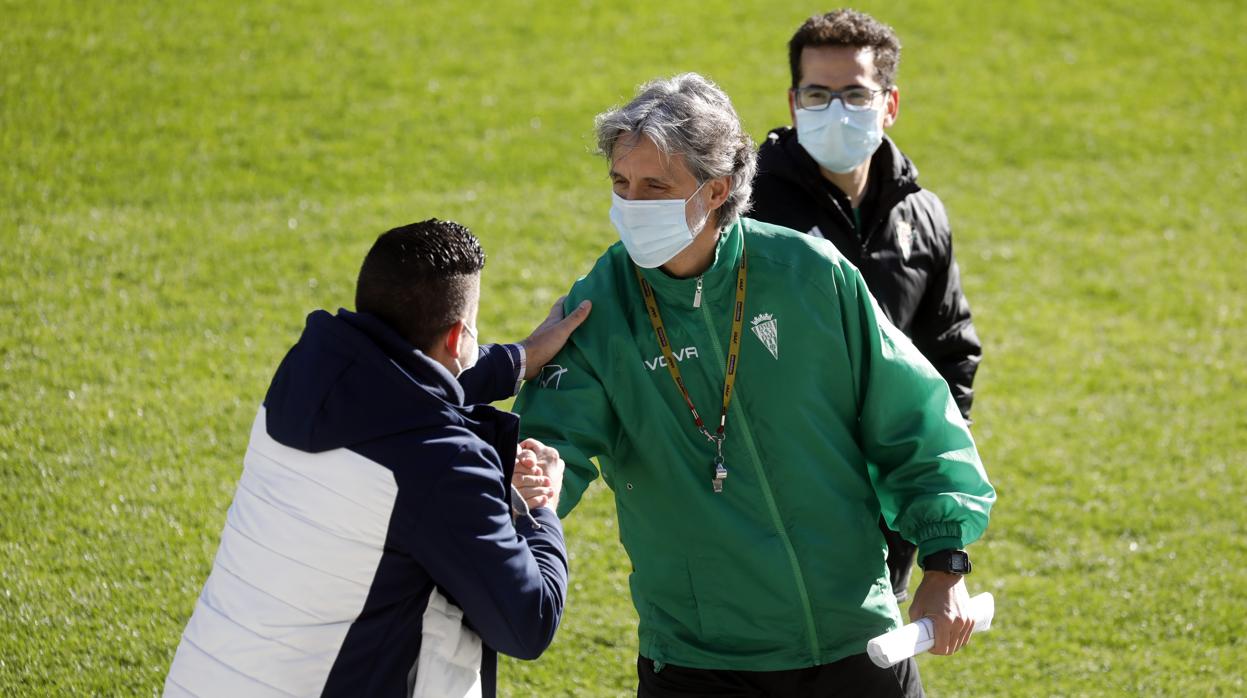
924,466
566,407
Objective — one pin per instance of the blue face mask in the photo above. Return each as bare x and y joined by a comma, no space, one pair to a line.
839,139
654,231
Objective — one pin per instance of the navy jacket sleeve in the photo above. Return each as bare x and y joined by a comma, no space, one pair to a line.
496,375
509,578
943,329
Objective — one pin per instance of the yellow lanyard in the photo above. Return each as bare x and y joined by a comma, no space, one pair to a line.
733,359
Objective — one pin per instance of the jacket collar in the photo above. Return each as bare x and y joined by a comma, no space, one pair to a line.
782,154
500,429
720,277
418,366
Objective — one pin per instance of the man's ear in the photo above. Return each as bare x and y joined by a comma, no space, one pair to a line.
891,108
792,107
720,188
450,343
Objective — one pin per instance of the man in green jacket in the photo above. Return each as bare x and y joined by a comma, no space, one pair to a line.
754,414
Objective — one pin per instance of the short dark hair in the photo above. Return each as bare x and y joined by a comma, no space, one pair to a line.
417,278
848,28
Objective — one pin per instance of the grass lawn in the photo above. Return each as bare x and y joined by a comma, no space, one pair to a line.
182,183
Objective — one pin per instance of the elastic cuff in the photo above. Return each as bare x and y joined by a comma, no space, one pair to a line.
546,517
519,359
934,545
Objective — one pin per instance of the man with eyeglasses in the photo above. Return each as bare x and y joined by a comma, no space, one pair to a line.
837,176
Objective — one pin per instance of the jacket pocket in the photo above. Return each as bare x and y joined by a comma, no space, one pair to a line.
743,607
666,608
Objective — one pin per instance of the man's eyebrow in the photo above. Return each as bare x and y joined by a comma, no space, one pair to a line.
832,89
648,180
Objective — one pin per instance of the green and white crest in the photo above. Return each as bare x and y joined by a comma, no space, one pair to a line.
766,327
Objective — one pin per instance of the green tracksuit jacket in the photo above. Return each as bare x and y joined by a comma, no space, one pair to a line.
836,418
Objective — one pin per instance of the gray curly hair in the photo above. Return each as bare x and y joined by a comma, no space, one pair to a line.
689,115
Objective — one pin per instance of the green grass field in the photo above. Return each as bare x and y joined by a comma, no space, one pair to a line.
182,182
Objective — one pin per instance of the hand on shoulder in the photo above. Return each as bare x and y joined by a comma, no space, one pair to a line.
548,339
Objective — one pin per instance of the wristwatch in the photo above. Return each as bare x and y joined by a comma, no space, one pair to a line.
950,561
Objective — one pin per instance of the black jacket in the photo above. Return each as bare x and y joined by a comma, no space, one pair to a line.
904,248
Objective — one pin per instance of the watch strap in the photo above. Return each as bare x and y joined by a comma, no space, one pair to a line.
950,561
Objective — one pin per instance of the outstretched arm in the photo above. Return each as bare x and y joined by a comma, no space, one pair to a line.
566,407
501,367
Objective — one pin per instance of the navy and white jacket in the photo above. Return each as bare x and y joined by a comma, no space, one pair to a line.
371,548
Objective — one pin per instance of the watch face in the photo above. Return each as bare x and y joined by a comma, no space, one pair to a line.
951,561
959,563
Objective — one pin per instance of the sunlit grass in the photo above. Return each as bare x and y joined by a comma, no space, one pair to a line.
182,184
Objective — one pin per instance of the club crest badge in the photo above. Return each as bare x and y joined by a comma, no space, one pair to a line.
766,327
905,237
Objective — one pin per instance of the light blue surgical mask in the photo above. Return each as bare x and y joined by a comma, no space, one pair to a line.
839,139
654,231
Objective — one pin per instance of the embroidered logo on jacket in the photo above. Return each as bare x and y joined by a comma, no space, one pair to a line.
550,376
905,236
767,329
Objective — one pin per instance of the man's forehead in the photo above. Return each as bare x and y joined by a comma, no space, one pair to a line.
637,151
820,64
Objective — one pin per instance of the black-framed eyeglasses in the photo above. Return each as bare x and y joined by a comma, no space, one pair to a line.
816,98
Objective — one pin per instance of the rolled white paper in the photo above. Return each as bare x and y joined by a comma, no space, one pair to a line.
919,636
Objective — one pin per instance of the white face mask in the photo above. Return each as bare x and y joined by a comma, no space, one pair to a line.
839,139
654,231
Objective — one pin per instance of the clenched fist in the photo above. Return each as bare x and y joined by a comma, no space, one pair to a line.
538,474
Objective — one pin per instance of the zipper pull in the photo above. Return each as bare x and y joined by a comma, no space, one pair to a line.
697,295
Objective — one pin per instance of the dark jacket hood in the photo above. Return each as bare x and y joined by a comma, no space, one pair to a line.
343,383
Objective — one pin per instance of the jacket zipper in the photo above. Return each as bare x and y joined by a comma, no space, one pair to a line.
697,295
776,521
